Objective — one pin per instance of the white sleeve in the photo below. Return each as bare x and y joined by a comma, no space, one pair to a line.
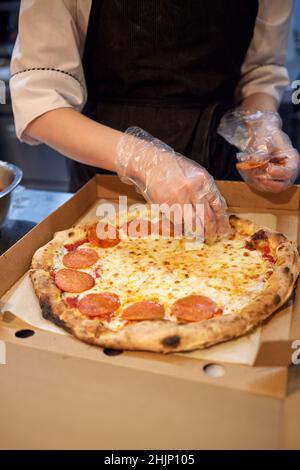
263,69
46,64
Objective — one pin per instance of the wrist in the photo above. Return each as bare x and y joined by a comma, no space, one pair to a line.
257,117
138,155
242,127
260,101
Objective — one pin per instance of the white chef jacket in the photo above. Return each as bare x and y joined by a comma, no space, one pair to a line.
47,70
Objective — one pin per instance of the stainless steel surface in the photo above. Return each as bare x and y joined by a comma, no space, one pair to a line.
10,177
28,207
34,205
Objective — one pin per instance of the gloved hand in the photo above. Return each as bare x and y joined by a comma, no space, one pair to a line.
267,160
163,176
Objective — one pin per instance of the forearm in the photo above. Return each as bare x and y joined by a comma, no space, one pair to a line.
259,101
77,137
163,176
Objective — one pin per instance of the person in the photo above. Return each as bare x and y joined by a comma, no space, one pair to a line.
89,76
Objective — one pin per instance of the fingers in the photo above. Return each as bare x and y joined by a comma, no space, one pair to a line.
269,185
281,168
286,172
273,178
223,224
280,173
186,183
215,217
210,223
219,207
263,182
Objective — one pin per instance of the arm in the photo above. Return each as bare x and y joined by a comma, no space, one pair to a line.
255,127
48,93
160,174
76,136
46,67
263,70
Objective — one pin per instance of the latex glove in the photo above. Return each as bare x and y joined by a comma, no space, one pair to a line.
164,176
267,160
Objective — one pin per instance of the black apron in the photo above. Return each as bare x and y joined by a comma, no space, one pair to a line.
170,67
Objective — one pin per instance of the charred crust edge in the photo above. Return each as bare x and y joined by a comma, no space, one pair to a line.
171,341
48,314
260,235
277,299
280,237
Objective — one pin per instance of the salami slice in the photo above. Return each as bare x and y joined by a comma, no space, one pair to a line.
144,310
252,165
194,308
94,305
71,302
80,259
106,241
75,245
261,164
70,280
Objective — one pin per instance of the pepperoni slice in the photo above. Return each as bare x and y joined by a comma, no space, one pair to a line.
94,305
252,165
72,302
98,273
79,259
266,250
104,242
75,245
194,308
73,281
145,310
269,258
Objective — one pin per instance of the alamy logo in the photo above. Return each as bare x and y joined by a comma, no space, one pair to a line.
2,92
296,353
2,352
296,93
140,220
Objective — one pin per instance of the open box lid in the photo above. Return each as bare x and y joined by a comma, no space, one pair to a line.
278,335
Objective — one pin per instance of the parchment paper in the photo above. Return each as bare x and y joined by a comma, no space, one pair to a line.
23,303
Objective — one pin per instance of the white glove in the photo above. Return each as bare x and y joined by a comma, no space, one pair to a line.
267,160
164,176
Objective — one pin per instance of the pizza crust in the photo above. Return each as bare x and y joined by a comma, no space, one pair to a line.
166,336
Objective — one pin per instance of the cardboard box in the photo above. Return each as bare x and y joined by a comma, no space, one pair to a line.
57,392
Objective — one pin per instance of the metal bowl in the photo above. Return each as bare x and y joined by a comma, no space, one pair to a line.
10,177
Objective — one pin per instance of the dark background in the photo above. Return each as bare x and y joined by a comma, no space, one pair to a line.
45,169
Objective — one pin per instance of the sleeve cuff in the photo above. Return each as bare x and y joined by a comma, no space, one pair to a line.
37,91
270,79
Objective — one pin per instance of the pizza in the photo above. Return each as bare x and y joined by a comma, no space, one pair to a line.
152,293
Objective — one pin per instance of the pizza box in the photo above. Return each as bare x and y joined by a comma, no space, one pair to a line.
60,393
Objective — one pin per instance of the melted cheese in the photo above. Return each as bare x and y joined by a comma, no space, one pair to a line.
164,270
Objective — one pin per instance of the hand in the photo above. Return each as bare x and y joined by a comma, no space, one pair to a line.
267,160
164,176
